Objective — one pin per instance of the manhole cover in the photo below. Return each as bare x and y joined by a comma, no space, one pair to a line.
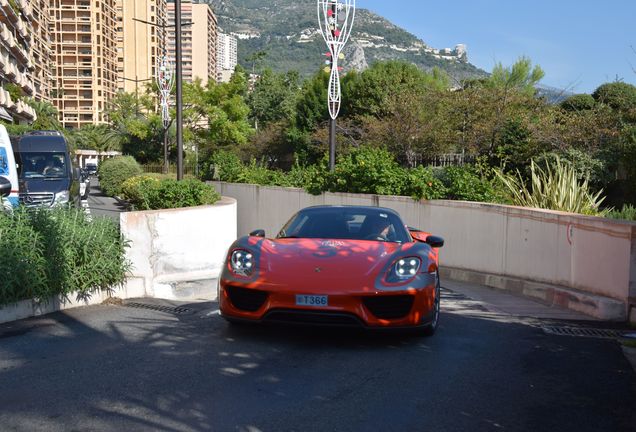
168,309
583,332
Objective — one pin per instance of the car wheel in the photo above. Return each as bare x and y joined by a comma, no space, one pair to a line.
429,330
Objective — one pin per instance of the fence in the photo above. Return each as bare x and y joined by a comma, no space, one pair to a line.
444,160
190,169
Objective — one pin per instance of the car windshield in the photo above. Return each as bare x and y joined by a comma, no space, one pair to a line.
346,223
41,165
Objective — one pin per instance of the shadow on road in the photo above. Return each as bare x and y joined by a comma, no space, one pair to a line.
123,368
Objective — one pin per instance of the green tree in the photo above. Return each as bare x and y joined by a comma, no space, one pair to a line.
273,97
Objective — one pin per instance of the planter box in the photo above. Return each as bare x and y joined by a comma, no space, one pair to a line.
171,250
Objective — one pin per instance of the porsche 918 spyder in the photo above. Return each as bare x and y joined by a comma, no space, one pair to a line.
338,266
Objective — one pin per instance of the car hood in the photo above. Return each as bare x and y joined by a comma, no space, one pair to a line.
325,265
40,185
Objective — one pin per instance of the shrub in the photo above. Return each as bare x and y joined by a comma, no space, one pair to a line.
628,212
114,172
421,183
618,95
557,187
257,173
467,184
225,166
579,102
150,193
22,262
58,251
367,170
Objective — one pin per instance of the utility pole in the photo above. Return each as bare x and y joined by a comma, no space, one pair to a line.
179,95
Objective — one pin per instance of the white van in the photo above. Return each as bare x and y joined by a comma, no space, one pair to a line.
7,165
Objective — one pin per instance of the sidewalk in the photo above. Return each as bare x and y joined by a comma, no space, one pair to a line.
503,302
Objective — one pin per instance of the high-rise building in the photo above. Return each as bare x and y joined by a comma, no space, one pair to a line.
226,53
198,40
16,65
85,59
41,49
139,44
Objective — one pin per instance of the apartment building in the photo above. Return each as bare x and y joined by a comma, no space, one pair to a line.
16,66
84,59
226,53
198,40
139,44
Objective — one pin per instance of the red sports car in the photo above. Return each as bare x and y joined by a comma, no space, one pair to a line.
335,265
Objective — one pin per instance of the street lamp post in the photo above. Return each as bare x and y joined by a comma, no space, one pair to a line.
179,98
179,95
335,18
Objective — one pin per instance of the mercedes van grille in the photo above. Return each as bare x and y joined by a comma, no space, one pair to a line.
37,199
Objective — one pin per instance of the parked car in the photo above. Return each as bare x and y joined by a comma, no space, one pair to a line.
46,174
337,266
91,168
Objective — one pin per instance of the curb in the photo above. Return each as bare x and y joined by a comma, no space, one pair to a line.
603,308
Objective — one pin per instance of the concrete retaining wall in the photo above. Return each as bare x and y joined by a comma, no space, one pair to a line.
172,249
175,254
589,261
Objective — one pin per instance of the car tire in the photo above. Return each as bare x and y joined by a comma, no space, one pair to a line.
430,329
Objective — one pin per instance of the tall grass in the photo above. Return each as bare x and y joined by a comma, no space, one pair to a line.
58,251
555,187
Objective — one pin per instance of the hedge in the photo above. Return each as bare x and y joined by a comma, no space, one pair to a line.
114,172
151,192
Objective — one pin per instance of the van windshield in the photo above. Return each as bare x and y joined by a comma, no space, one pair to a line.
41,165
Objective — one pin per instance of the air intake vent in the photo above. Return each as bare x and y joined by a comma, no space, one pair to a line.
246,299
389,306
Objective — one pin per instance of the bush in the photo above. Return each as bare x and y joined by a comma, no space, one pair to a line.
114,172
579,102
58,251
225,166
467,184
618,95
22,262
421,183
628,212
368,170
555,187
147,192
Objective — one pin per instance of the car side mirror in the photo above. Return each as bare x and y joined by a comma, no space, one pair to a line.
5,187
76,174
258,233
435,241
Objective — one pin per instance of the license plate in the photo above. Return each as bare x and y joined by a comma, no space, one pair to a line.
311,300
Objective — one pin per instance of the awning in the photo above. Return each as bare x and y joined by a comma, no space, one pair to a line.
4,115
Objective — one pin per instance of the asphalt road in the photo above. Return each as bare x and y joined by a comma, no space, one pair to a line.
101,205
122,368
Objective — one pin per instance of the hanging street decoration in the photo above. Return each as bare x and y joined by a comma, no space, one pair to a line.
335,18
165,82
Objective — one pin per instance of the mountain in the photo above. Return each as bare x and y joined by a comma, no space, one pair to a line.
287,30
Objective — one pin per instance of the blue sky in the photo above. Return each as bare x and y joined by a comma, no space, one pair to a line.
579,44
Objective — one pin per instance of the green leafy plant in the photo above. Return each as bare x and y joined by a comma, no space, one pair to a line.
114,172
58,251
628,212
146,192
555,187
22,262
467,184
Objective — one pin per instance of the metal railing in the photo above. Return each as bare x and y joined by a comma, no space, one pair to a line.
190,169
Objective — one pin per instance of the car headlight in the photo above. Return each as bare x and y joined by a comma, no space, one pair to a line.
404,269
62,197
242,262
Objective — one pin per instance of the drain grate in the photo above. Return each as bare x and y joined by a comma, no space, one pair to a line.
583,332
168,309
